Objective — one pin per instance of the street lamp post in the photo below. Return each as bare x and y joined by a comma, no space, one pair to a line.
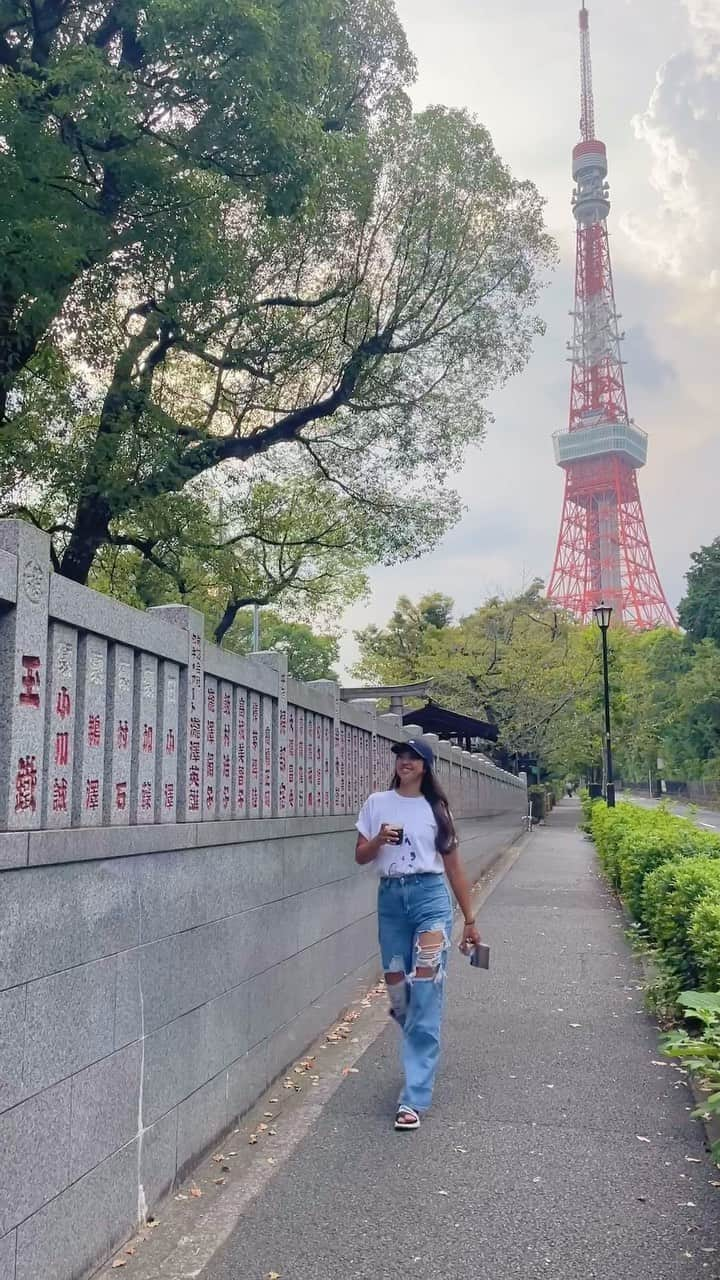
602,614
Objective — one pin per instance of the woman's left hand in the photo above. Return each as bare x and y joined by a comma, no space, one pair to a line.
471,938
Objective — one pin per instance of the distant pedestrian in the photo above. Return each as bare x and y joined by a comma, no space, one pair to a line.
409,835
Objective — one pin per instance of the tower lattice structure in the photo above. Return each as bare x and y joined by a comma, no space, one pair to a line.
603,551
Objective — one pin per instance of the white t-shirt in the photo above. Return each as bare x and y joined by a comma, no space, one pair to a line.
418,852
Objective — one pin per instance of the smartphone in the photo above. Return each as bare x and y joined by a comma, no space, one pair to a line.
480,956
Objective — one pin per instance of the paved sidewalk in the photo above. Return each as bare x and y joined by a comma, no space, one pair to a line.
555,1148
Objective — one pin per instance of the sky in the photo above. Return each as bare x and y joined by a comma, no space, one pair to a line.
656,71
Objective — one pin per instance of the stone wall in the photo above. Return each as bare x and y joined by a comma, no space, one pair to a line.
180,910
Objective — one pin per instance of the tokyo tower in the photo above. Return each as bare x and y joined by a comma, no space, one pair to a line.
603,551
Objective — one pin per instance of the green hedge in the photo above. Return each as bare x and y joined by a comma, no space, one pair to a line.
705,941
667,872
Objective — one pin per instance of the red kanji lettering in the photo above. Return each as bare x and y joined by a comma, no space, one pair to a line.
194,751
226,797
60,795
210,730
211,700
195,727
147,738
93,732
123,734
26,785
255,739
226,735
146,796
254,798
92,793
62,748
227,704
169,795
170,743
63,704
30,680
226,766
210,797
210,766
193,801
121,795
194,776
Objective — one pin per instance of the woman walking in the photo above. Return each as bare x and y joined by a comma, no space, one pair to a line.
409,835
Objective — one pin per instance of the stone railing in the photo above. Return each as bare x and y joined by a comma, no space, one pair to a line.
113,718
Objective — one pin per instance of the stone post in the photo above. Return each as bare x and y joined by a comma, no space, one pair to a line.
24,679
275,737
190,741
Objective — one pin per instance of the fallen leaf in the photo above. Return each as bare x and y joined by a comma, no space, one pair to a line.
119,1262
714,1184
269,1115
232,1153
218,1159
443,1193
693,1160
181,1196
195,1192
252,1139
218,1181
262,1128
271,1160
272,1133
274,1099
637,1135
273,1275
575,1024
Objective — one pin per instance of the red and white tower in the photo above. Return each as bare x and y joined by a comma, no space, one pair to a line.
603,551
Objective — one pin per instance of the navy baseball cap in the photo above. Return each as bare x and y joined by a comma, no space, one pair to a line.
418,748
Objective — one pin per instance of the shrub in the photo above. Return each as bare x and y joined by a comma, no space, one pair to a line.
705,940
609,827
671,895
644,848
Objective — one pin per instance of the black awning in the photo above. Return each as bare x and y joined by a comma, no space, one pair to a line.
450,724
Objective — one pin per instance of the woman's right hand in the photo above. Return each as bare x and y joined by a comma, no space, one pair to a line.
387,834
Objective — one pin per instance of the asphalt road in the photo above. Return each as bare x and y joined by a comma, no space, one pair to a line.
558,1146
708,818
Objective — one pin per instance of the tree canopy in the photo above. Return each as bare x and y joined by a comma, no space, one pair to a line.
699,611
234,262
536,673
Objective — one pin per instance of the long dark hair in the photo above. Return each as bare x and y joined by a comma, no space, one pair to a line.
433,791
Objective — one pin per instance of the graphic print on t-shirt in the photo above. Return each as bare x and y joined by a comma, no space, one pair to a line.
407,857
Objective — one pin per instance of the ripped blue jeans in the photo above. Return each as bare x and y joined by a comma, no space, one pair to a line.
410,908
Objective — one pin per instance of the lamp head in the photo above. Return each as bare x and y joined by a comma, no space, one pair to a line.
602,613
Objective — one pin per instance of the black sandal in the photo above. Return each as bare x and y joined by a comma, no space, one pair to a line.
406,1118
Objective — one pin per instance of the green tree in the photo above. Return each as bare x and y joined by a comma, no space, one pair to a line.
517,663
260,265
299,545
311,656
393,654
699,611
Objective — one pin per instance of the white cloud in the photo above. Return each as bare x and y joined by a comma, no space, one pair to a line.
681,126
